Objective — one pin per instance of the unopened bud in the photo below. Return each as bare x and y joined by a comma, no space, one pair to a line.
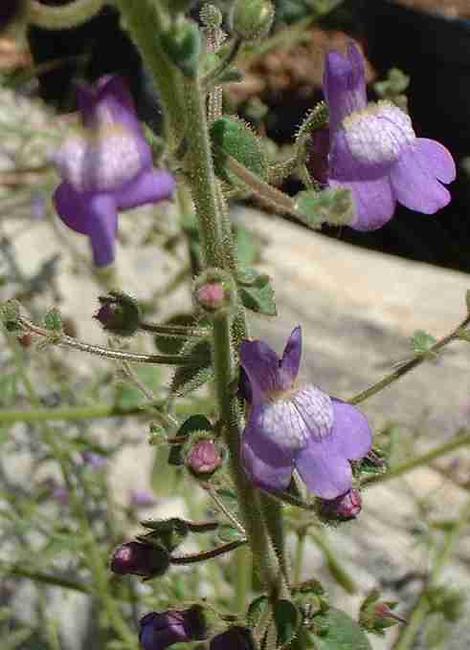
140,559
235,638
204,458
119,314
252,19
182,45
211,16
159,630
377,615
347,506
214,292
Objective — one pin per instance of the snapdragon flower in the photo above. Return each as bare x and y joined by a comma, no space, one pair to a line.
159,630
373,150
298,427
106,167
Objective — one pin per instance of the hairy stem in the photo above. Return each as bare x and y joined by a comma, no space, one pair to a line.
409,365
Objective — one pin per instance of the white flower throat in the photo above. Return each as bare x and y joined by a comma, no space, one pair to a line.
378,134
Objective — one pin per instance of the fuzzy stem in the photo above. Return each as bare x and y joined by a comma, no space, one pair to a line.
71,15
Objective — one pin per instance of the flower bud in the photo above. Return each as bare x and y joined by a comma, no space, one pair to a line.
376,615
347,506
140,559
161,630
119,314
211,16
214,292
204,458
252,19
235,638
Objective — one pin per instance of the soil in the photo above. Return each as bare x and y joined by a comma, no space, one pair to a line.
449,8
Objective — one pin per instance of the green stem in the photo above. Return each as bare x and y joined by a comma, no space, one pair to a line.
71,15
299,555
241,579
207,555
43,578
418,615
460,440
144,21
94,558
337,571
409,365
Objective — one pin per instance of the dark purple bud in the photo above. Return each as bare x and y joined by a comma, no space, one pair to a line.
204,458
161,630
347,506
140,559
119,314
235,638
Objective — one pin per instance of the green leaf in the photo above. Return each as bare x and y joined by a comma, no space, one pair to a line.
232,137
422,342
53,320
256,610
329,206
256,292
339,632
227,533
189,377
287,620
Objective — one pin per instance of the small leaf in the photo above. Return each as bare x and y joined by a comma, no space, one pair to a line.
422,342
128,396
256,292
287,620
227,533
189,377
232,137
256,610
339,632
53,320
334,207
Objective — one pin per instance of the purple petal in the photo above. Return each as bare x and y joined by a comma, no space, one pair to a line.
102,227
290,361
285,423
373,200
439,158
70,208
90,214
414,180
264,462
326,473
261,364
351,431
148,187
344,84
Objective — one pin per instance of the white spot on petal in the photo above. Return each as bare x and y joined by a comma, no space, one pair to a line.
379,133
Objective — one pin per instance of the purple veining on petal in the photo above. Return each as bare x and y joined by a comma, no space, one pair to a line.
301,427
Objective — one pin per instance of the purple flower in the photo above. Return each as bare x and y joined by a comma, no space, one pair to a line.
141,499
106,167
140,559
94,461
374,152
299,427
161,630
